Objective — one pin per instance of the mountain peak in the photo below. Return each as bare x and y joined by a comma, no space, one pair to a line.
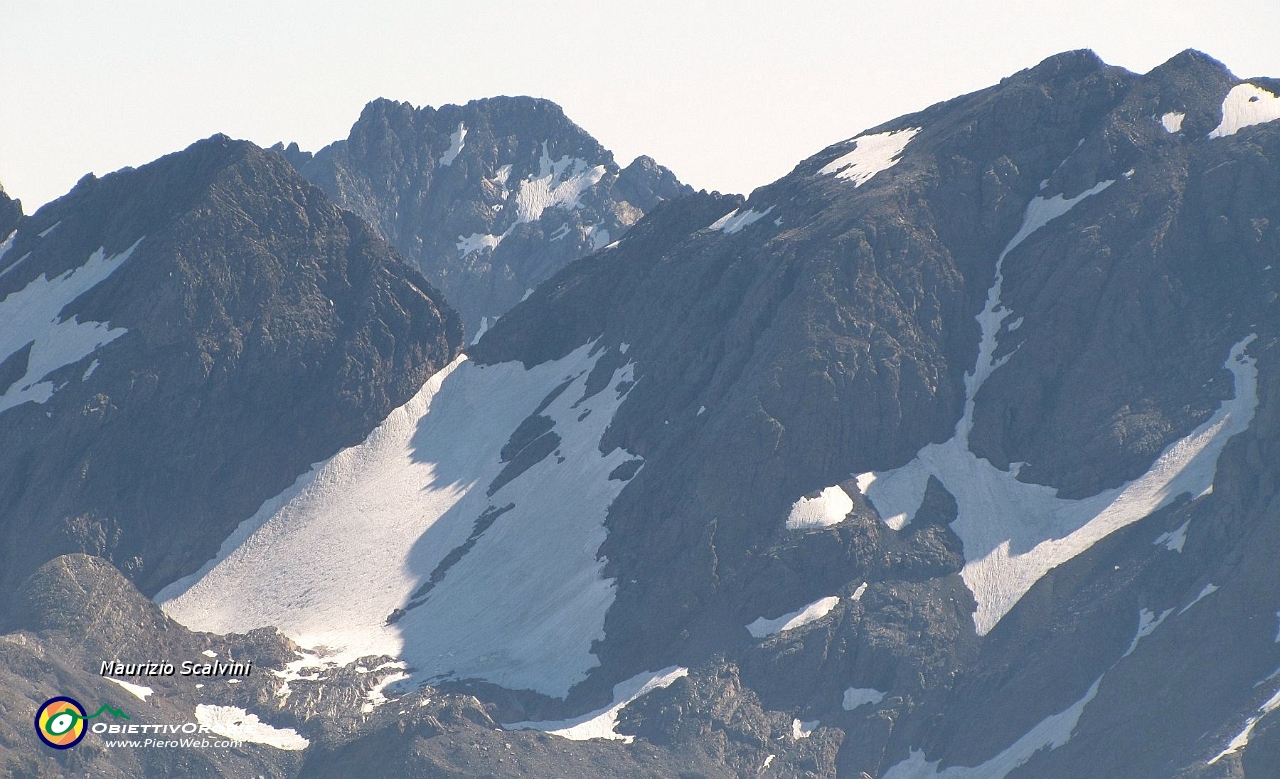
488,198
1192,59
1074,62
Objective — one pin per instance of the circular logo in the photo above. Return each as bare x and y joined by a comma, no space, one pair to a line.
60,722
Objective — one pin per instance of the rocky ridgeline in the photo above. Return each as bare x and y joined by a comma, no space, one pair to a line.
1062,280
488,199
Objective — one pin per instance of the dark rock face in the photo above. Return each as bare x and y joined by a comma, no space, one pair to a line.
264,329
10,214
783,345
488,199
831,337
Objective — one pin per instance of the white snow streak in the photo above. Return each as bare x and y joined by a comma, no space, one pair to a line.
329,559
1174,539
455,145
1242,739
829,508
1147,624
1051,733
860,696
733,222
603,722
1244,106
872,154
33,315
238,725
1208,590
814,611
137,690
5,246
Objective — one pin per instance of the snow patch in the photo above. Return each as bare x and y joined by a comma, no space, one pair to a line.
5,246
1246,105
1175,539
50,229
814,611
1242,739
801,730
33,315
602,724
481,330
376,695
477,241
558,184
872,154
1051,733
238,725
137,690
1172,121
520,609
860,696
209,653
829,508
858,593
455,145
1208,590
733,222
1147,624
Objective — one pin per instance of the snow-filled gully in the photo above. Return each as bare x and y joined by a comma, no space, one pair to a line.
1014,532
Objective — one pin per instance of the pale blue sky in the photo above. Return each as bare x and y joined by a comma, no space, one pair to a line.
729,95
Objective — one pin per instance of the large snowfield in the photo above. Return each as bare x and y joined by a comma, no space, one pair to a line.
353,540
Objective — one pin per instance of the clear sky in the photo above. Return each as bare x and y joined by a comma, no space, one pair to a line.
729,95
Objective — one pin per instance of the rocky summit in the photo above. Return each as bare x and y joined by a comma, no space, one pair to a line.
952,453
488,199
181,341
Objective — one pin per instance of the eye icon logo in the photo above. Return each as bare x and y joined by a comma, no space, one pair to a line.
60,722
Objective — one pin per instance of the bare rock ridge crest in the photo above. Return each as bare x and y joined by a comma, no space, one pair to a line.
952,453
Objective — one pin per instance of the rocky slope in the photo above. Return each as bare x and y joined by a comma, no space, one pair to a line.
488,199
181,341
951,453
842,329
